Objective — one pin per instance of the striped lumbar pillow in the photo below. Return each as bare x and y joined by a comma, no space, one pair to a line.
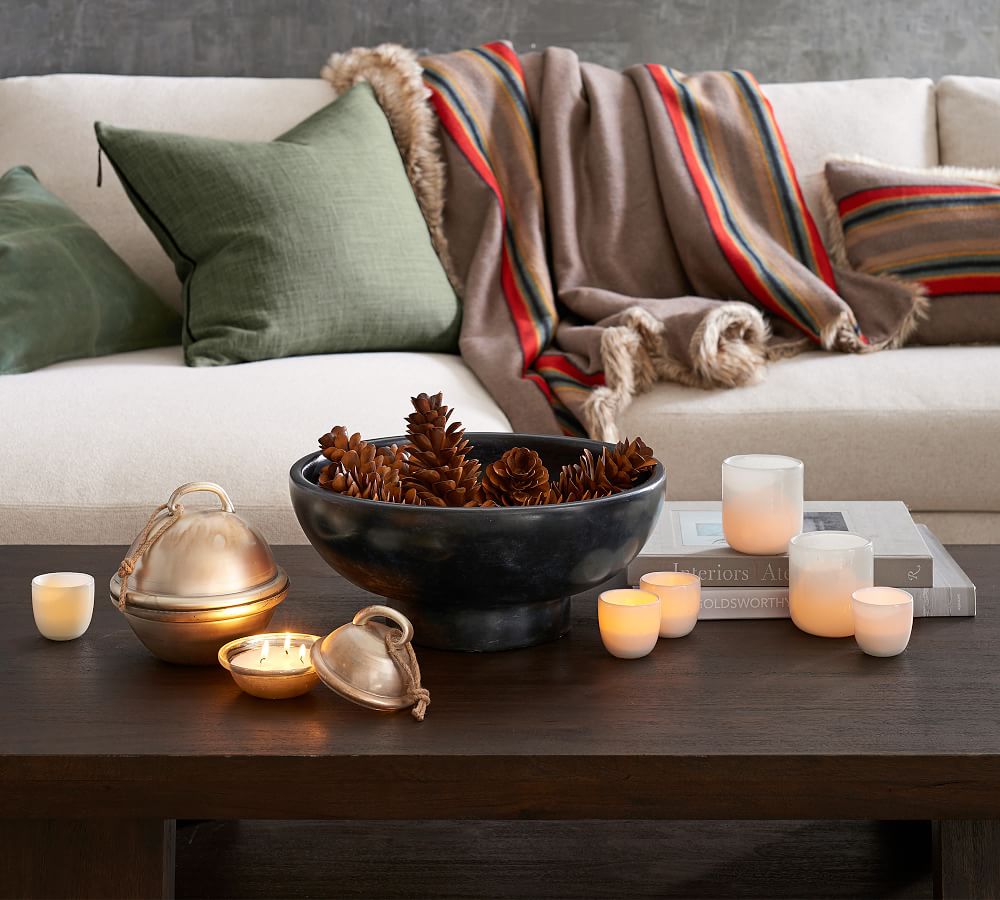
937,228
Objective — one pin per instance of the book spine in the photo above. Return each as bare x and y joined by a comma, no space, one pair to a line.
744,603
772,603
772,571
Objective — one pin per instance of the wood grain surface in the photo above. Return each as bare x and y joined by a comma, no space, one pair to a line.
554,860
739,720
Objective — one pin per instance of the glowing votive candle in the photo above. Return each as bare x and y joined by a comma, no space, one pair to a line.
680,600
629,621
761,502
63,604
271,666
883,620
824,569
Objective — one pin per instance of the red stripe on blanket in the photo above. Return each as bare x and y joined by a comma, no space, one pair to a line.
816,246
562,365
523,322
741,266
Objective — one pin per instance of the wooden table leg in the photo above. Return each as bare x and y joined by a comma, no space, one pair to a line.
87,858
967,859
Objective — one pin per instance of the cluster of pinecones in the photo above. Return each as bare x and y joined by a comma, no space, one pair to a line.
437,469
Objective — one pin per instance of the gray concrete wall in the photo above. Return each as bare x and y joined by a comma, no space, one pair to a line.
779,40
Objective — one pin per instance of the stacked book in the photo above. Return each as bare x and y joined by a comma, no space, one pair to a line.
688,538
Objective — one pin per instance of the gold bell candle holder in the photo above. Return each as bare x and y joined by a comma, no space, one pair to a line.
272,666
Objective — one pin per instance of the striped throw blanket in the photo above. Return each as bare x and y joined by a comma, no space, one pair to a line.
607,230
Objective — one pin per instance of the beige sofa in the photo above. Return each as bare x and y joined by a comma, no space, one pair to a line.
87,448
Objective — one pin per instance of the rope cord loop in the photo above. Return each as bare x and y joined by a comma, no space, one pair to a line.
147,537
405,659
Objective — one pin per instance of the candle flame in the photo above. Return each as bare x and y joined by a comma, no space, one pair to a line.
288,642
302,652
264,652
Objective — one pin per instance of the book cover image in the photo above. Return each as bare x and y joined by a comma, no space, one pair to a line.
703,527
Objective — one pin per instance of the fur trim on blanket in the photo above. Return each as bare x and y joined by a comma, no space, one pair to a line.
395,75
728,349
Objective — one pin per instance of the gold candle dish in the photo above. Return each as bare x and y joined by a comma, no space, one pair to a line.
271,666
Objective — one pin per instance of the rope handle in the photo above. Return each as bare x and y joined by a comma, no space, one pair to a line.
147,537
400,650
403,655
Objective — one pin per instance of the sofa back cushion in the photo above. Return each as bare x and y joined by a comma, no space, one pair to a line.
969,121
47,123
889,119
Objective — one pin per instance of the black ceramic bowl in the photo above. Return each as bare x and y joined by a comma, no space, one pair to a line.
480,578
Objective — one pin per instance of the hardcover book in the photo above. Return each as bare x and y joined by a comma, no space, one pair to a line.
688,538
953,594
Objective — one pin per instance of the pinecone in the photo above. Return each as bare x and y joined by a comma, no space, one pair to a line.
337,442
440,472
585,479
518,478
360,469
629,463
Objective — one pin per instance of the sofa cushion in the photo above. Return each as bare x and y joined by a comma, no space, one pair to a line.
936,228
132,427
48,123
64,293
310,243
890,119
968,112
918,424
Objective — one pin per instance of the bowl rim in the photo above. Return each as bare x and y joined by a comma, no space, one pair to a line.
654,482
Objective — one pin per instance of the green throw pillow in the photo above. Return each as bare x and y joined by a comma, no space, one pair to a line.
311,243
64,293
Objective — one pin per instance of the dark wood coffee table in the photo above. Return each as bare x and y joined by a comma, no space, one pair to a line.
103,747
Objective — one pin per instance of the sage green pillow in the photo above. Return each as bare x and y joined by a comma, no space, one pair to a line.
64,293
311,243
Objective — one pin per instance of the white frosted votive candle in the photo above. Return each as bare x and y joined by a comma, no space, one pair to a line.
629,621
761,502
680,600
883,620
824,569
62,603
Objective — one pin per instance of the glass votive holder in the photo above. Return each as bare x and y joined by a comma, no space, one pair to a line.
761,502
629,621
824,569
62,604
883,620
680,600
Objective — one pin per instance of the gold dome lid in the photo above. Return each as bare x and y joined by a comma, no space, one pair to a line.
355,662
200,559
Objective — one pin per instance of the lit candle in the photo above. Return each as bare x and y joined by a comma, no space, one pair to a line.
286,672
883,620
824,569
680,600
262,659
761,502
629,621
63,604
